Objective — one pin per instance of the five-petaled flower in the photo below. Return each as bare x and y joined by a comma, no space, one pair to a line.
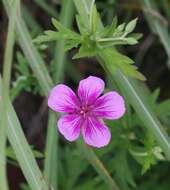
84,113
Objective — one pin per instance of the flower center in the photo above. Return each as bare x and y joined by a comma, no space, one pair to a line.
84,111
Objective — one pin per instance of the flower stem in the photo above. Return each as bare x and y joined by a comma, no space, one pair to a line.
98,165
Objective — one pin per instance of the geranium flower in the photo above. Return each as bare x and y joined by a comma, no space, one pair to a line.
84,114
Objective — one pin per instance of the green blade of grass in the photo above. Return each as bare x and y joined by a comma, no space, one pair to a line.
51,152
66,18
50,170
166,6
157,26
5,91
22,150
137,98
35,60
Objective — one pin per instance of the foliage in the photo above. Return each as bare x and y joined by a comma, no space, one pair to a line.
135,159
25,80
95,38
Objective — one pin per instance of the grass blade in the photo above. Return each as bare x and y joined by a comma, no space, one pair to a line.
157,26
5,91
137,98
51,152
22,150
51,168
35,60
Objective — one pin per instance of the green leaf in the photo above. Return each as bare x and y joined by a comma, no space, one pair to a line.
48,37
137,36
95,18
120,28
116,60
22,150
63,31
108,31
131,41
85,52
163,108
69,44
113,26
82,28
62,34
10,153
122,168
131,26
22,64
83,10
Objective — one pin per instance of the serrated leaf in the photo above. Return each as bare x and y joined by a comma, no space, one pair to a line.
22,65
63,33
83,10
148,162
131,26
59,26
113,26
48,37
85,52
109,30
80,24
71,44
116,60
18,86
94,20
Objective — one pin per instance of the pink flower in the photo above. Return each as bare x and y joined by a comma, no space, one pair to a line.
84,113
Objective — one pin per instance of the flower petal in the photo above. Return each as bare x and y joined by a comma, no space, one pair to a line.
63,99
109,106
69,126
95,133
89,89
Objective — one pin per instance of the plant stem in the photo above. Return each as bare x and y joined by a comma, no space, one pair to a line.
51,168
66,18
138,100
14,131
98,165
34,58
5,91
